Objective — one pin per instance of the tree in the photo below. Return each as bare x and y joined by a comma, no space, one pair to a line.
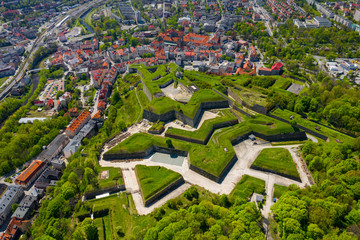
90,229
98,32
115,97
169,143
121,125
14,207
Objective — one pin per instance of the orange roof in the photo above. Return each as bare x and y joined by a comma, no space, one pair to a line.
102,104
196,39
29,172
97,115
12,229
78,121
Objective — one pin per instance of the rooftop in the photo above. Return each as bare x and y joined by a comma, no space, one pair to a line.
29,172
78,121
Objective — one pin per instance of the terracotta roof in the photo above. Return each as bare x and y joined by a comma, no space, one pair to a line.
29,172
12,229
78,121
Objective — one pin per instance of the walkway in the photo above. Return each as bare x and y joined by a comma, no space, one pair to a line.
246,153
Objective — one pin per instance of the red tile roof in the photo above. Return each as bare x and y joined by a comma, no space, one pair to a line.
25,177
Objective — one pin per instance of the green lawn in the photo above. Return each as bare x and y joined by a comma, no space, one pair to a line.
154,178
115,177
88,18
332,134
157,126
279,190
211,157
277,159
163,104
281,83
130,110
122,212
203,131
251,96
247,186
2,80
107,226
100,226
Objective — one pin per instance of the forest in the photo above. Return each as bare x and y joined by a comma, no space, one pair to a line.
327,101
21,142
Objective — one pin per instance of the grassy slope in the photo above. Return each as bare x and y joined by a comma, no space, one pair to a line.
212,157
130,110
153,179
100,226
114,177
333,135
247,186
205,128
163,104
279,190
277,159
122,212
157,126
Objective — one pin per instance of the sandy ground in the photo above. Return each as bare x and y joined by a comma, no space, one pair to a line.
246,153
177,94
312,138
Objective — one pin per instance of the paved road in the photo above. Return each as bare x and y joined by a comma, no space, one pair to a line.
22,69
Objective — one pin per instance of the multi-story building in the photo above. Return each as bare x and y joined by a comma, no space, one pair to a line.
30,174
324,10
322,22
11,196
77,124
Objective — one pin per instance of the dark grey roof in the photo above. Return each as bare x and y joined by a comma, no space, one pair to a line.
8,196
58,141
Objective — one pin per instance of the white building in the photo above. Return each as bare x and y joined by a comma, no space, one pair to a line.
322,22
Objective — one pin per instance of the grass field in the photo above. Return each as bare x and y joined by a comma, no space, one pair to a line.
277,159
250,96
279,190
130,110
2,80
163,104
211,157
122,212
332,134
157,126
115,177
100,226
154,178
107,227
203,131
247,186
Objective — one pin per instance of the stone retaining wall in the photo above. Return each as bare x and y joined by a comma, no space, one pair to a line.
164,85
156,131
146,91
171,115
143,154
212,177
205,141
275,172
163,192
257,108
112,189
312,132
